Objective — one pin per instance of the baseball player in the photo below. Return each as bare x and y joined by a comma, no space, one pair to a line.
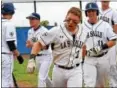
68,39
100,37
8,45
109,15
43,58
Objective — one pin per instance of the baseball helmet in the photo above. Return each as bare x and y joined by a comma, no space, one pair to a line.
91,6
7,8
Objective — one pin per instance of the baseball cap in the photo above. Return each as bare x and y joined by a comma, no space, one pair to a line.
33,15
7,8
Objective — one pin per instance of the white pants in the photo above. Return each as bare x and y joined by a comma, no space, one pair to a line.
73,77
43,64
7,69
102,66
113,66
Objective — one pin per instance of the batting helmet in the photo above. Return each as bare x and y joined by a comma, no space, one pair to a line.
91,6
7,8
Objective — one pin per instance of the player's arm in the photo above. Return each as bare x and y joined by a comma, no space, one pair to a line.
29,44
45,39
10,40
115,28
114,21
13,49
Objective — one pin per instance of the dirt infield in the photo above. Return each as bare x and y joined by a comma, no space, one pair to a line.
23,84
25,56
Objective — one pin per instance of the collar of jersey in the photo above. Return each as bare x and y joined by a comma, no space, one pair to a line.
92,26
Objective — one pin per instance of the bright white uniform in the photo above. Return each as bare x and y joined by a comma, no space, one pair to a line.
8,34
43,59
99,34
110,16
66,49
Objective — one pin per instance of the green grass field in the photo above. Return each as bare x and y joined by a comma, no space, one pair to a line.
23,78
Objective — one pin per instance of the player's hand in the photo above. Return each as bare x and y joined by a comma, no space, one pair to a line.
94,51
20,59
29,43
31,66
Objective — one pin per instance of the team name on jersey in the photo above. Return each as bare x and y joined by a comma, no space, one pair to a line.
94,33
106,19
34,39
69,43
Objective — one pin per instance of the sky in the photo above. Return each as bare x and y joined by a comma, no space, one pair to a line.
51,11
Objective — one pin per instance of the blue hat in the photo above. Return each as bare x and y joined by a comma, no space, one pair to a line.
91,6
7,8
33,15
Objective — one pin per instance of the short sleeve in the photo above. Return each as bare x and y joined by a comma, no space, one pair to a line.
110,34
29,35
10,32
114,17
48,37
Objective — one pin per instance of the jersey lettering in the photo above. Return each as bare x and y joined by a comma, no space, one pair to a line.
94,33
69,43
106,19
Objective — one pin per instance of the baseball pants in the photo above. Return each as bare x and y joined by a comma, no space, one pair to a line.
43,64
113,66
73,77
102,66
7,69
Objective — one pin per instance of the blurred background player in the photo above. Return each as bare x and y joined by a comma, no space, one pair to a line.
8,45
43,58
109,15
100,37
68,39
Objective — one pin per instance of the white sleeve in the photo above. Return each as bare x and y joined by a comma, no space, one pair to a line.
114,17
110,34
29,35
48,37
10,32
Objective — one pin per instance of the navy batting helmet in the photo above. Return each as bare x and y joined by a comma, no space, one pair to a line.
7,8
91,6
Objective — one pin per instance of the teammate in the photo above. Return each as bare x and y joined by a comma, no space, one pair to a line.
44,58
8,45
100,37
67,39
110,16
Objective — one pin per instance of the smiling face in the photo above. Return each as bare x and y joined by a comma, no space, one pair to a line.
92,15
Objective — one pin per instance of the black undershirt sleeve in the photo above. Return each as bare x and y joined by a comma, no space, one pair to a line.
11,45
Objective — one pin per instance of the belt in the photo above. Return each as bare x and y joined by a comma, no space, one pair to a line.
68,68
101,54
5,53
41,54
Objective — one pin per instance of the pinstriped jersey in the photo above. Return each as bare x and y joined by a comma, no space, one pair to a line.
98,34
34,36
8,34
109,16
66,48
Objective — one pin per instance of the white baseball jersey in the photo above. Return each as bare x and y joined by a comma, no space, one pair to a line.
35,36
66,48
98,34
109,16
8,34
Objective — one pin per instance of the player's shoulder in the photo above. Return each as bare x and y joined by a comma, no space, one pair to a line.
55,29
43,28
8,23
30,30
